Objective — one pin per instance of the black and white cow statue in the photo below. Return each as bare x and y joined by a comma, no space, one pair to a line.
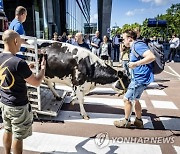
80,69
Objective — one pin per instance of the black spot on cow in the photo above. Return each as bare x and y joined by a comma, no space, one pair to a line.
56,45
103,74
74,51
59,64
64,49
45,44
85,69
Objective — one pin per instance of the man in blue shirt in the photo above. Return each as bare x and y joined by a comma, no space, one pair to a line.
16,25
95,43
142,75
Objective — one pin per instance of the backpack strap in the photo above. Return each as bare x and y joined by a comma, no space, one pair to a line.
134,51
136,54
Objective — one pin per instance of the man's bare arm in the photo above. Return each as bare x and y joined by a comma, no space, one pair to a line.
94,45
36,80
148,58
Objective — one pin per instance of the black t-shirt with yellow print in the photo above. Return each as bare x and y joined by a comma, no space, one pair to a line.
13,71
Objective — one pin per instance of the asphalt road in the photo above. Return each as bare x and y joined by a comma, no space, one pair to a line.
69,133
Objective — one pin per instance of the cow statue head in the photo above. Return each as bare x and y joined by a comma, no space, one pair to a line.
122,83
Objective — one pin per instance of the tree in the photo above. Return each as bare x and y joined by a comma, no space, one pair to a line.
172,16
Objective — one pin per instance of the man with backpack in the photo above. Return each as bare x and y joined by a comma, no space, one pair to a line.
142,76
156,48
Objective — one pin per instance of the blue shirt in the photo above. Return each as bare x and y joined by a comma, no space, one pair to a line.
17,26
97,41
142,74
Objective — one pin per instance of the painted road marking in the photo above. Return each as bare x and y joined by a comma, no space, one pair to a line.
104,101
163,104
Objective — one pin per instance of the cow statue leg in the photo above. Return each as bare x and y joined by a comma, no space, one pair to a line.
80,97
50,85
73,96
80,92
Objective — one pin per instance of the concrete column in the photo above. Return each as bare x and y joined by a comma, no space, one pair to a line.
104,16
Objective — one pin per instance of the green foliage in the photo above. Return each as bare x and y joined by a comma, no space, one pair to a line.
172,16
124,28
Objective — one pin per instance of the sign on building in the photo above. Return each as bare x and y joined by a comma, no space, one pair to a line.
108,30
152,22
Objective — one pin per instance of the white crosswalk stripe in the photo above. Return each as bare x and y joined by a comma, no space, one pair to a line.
177,148
104,101
97,118
156,92
95,90
163,104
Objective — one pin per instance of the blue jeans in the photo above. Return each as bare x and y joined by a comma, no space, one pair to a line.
134,91
116,53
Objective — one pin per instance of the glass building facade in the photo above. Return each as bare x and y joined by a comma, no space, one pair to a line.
48,16
77,14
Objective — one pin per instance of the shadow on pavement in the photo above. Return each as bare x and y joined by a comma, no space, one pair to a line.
157,123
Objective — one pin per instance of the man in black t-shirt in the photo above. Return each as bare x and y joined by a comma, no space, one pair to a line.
16,111
79,41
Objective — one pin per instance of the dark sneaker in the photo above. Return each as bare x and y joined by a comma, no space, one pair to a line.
122,123
138,123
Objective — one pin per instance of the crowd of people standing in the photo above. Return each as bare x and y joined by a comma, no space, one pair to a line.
113,50
103,47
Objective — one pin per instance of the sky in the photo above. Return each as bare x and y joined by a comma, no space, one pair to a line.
131,11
